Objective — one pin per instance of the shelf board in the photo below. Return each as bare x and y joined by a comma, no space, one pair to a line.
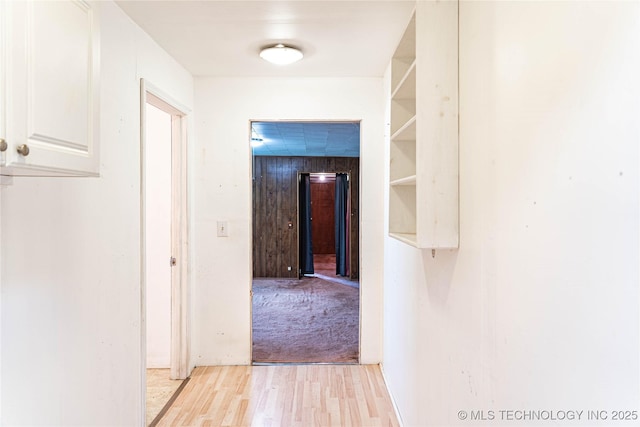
399,68
410,239
407,180
406,88
407,132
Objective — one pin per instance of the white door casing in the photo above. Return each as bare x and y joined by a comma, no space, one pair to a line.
179,230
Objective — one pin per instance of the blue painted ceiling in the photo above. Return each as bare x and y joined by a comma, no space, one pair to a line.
318,139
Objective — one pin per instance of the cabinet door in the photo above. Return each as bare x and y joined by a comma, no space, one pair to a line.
51,76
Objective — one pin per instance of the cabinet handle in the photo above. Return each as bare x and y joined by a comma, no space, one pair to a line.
23,149
3,145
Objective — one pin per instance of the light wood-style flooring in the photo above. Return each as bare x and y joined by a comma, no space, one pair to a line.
283,396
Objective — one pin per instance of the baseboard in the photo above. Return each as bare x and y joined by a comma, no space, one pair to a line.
393,400
157,363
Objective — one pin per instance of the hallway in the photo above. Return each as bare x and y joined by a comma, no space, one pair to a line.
283,395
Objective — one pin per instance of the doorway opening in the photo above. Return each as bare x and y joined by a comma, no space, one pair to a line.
300,315
325,223
164,291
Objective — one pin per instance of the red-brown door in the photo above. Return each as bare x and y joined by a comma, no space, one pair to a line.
322,216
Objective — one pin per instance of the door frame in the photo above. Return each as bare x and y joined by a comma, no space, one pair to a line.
348,173
359,222
180,331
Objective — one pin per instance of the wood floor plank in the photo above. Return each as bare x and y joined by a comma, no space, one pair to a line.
283,396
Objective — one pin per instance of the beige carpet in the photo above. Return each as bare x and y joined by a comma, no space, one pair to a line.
309,320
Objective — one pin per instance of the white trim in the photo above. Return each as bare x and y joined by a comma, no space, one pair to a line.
166,102
393,401
180,249
143,252
180,304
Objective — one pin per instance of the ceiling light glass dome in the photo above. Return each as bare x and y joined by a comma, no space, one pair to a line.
281,54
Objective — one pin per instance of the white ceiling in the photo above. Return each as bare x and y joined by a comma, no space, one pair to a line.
223,38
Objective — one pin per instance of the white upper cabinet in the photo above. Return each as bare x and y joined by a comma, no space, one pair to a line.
423,170
49,72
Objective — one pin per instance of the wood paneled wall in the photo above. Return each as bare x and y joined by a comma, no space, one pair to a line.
275,205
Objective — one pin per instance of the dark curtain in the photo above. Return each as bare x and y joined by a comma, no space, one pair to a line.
342,194
347,233
306,247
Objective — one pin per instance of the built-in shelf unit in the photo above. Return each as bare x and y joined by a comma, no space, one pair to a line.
423,170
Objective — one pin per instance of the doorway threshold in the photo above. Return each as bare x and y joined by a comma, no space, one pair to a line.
340,280
301,363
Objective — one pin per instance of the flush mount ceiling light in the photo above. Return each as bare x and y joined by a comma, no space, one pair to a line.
281,54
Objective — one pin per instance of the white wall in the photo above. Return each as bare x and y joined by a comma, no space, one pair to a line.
539,307
158,236
1,316
71,333
222,182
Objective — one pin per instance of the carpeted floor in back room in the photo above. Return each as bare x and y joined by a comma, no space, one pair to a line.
308,320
